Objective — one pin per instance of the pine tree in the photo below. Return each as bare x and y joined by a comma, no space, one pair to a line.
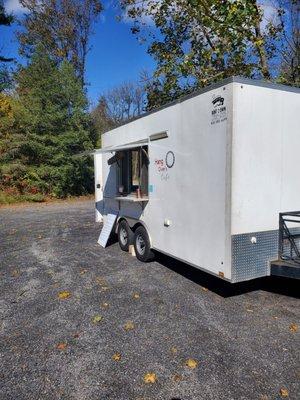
53,130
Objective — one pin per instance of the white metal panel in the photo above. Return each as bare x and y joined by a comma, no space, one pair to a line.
191,194
98,190
265,157
107,228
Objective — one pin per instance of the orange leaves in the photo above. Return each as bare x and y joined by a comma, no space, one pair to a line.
284,392
117,357
150,377
177,378
83,271
191,363
61,346
129,326
294,328
64,295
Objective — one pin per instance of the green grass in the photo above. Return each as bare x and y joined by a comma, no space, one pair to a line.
6,198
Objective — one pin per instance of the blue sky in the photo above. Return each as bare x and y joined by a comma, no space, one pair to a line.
115,57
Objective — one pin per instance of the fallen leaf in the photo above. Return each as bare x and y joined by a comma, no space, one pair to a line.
136,296
150,377
104,288
204,288
96,319
64,295
129,326
174,350
61,346
293,327
100,280
40,237
105,305
249,310
76,335
284,392
83,271
116,357
275,317
191,363
15,273
177,378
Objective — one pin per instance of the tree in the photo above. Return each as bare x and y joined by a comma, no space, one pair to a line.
197,42
63,27
5,20
118,105
5,78
288,38
52,132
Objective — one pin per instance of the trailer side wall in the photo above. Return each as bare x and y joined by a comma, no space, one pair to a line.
265,173
187,213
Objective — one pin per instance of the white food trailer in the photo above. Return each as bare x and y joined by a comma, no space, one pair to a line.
212,179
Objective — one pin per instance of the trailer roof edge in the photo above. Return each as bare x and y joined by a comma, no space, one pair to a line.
226,81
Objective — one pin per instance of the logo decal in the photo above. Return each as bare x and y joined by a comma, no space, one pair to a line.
219,112
170,159
218,101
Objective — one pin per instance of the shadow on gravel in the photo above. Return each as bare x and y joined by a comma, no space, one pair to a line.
274,284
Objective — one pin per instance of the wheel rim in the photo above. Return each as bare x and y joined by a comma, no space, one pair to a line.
123,236
140,245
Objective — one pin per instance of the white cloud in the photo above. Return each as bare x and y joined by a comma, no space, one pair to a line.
14,6
146,17
270,13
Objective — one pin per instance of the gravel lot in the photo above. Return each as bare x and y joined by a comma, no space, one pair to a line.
122,319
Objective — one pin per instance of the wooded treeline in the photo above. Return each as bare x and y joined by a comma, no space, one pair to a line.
47,127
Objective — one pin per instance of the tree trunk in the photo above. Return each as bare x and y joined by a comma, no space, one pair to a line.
260,46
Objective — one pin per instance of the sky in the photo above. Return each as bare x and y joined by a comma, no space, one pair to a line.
115,56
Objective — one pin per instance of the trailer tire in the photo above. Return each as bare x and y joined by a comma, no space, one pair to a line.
142,245
125,235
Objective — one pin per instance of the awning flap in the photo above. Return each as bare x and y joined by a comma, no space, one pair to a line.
127,146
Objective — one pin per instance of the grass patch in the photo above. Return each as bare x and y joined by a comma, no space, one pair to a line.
6,198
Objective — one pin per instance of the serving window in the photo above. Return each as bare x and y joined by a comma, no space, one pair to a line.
133,171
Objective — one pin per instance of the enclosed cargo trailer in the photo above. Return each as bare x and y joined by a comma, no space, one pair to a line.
205,178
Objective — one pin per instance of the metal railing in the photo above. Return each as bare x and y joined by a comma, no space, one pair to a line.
289,237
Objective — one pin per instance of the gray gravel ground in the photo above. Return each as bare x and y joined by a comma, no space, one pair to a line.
239,335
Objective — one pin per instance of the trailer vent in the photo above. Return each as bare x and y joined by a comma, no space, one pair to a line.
158,136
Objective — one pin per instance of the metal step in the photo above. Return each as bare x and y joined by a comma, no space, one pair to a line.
287,269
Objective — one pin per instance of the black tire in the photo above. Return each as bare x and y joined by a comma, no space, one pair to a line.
125,235
142,245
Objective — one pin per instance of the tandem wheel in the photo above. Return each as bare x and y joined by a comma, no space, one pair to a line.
125,235
142,245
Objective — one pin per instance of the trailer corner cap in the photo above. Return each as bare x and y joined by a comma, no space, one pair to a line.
127,146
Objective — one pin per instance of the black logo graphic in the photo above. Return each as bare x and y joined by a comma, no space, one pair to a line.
218,101
170,159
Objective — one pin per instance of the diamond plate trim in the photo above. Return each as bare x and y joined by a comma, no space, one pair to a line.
251,260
